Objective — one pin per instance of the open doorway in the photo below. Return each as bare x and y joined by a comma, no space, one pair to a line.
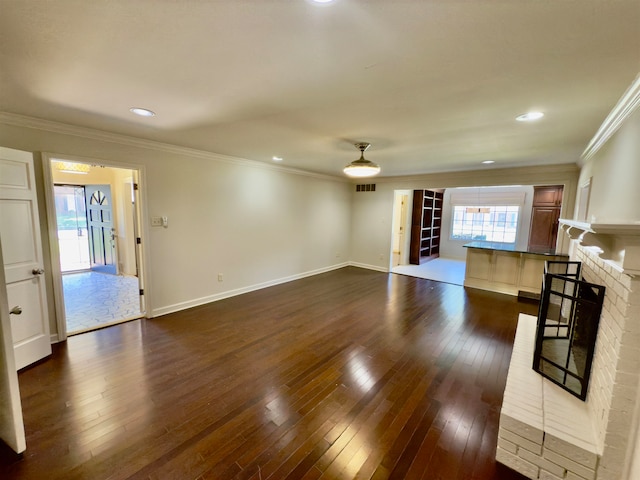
96,211
71,216
416,241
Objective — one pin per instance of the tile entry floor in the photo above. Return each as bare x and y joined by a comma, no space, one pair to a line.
440,269
94,300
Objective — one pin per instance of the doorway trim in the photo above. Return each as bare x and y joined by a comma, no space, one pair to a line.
140,212
401,217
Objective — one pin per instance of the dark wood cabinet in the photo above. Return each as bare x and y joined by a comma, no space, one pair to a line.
426,222
545,213
544,228
548,196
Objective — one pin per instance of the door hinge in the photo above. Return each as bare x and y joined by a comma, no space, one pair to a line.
141,291
138,240
135,186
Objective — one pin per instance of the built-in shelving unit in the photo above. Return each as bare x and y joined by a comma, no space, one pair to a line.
426,223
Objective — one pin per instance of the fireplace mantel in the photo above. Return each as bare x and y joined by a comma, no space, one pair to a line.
616,243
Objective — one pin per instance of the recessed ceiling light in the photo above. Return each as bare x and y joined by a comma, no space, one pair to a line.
530,116
323,1
487,162
276,159
143,112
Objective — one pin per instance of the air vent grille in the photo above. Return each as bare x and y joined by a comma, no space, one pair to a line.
369,187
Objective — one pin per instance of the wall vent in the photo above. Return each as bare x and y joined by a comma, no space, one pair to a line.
370,187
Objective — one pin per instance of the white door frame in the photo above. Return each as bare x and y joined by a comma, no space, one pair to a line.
402,220
54,248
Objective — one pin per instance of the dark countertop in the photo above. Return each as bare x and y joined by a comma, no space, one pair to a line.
509,247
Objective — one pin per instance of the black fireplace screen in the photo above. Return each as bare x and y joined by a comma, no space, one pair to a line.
567,327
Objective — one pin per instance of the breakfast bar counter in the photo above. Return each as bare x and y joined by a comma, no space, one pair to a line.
502,268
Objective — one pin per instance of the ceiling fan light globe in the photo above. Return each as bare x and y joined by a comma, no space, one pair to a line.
359,169
362,167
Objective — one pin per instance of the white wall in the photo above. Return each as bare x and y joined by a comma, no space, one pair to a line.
614,170
253,225
454,248
372,211
615,174
257,225
371,224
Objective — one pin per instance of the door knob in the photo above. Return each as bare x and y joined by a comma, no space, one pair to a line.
17,310
37,271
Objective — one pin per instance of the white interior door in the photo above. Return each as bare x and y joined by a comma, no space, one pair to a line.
11,422
22,252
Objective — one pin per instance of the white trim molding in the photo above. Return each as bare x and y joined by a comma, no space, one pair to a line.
627,104
617,244
369,267
99,135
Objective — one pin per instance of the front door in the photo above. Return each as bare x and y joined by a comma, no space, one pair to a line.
22,255
102,245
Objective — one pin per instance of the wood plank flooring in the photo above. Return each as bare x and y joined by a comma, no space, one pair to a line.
352,374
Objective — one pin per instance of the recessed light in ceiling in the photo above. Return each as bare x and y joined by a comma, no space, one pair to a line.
487,162
276,159
322,1
530,116
143,112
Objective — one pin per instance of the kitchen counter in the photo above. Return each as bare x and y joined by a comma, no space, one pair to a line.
509,247
502,268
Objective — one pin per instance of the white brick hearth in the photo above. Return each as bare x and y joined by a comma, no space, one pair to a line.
545,433
548,434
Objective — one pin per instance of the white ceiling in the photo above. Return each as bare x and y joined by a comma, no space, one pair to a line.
432,85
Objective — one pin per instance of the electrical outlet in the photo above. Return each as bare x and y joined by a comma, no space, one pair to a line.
156,221
220,277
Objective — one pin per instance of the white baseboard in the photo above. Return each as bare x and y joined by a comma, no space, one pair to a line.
176,307
369,267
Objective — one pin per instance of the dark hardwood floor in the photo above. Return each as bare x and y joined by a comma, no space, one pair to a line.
351,374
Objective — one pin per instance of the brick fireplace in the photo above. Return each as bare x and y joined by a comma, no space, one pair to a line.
546,433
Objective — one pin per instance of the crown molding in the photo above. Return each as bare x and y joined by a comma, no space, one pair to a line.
504,176
627,104
24,121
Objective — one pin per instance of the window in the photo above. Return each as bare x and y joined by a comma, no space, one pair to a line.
495,223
